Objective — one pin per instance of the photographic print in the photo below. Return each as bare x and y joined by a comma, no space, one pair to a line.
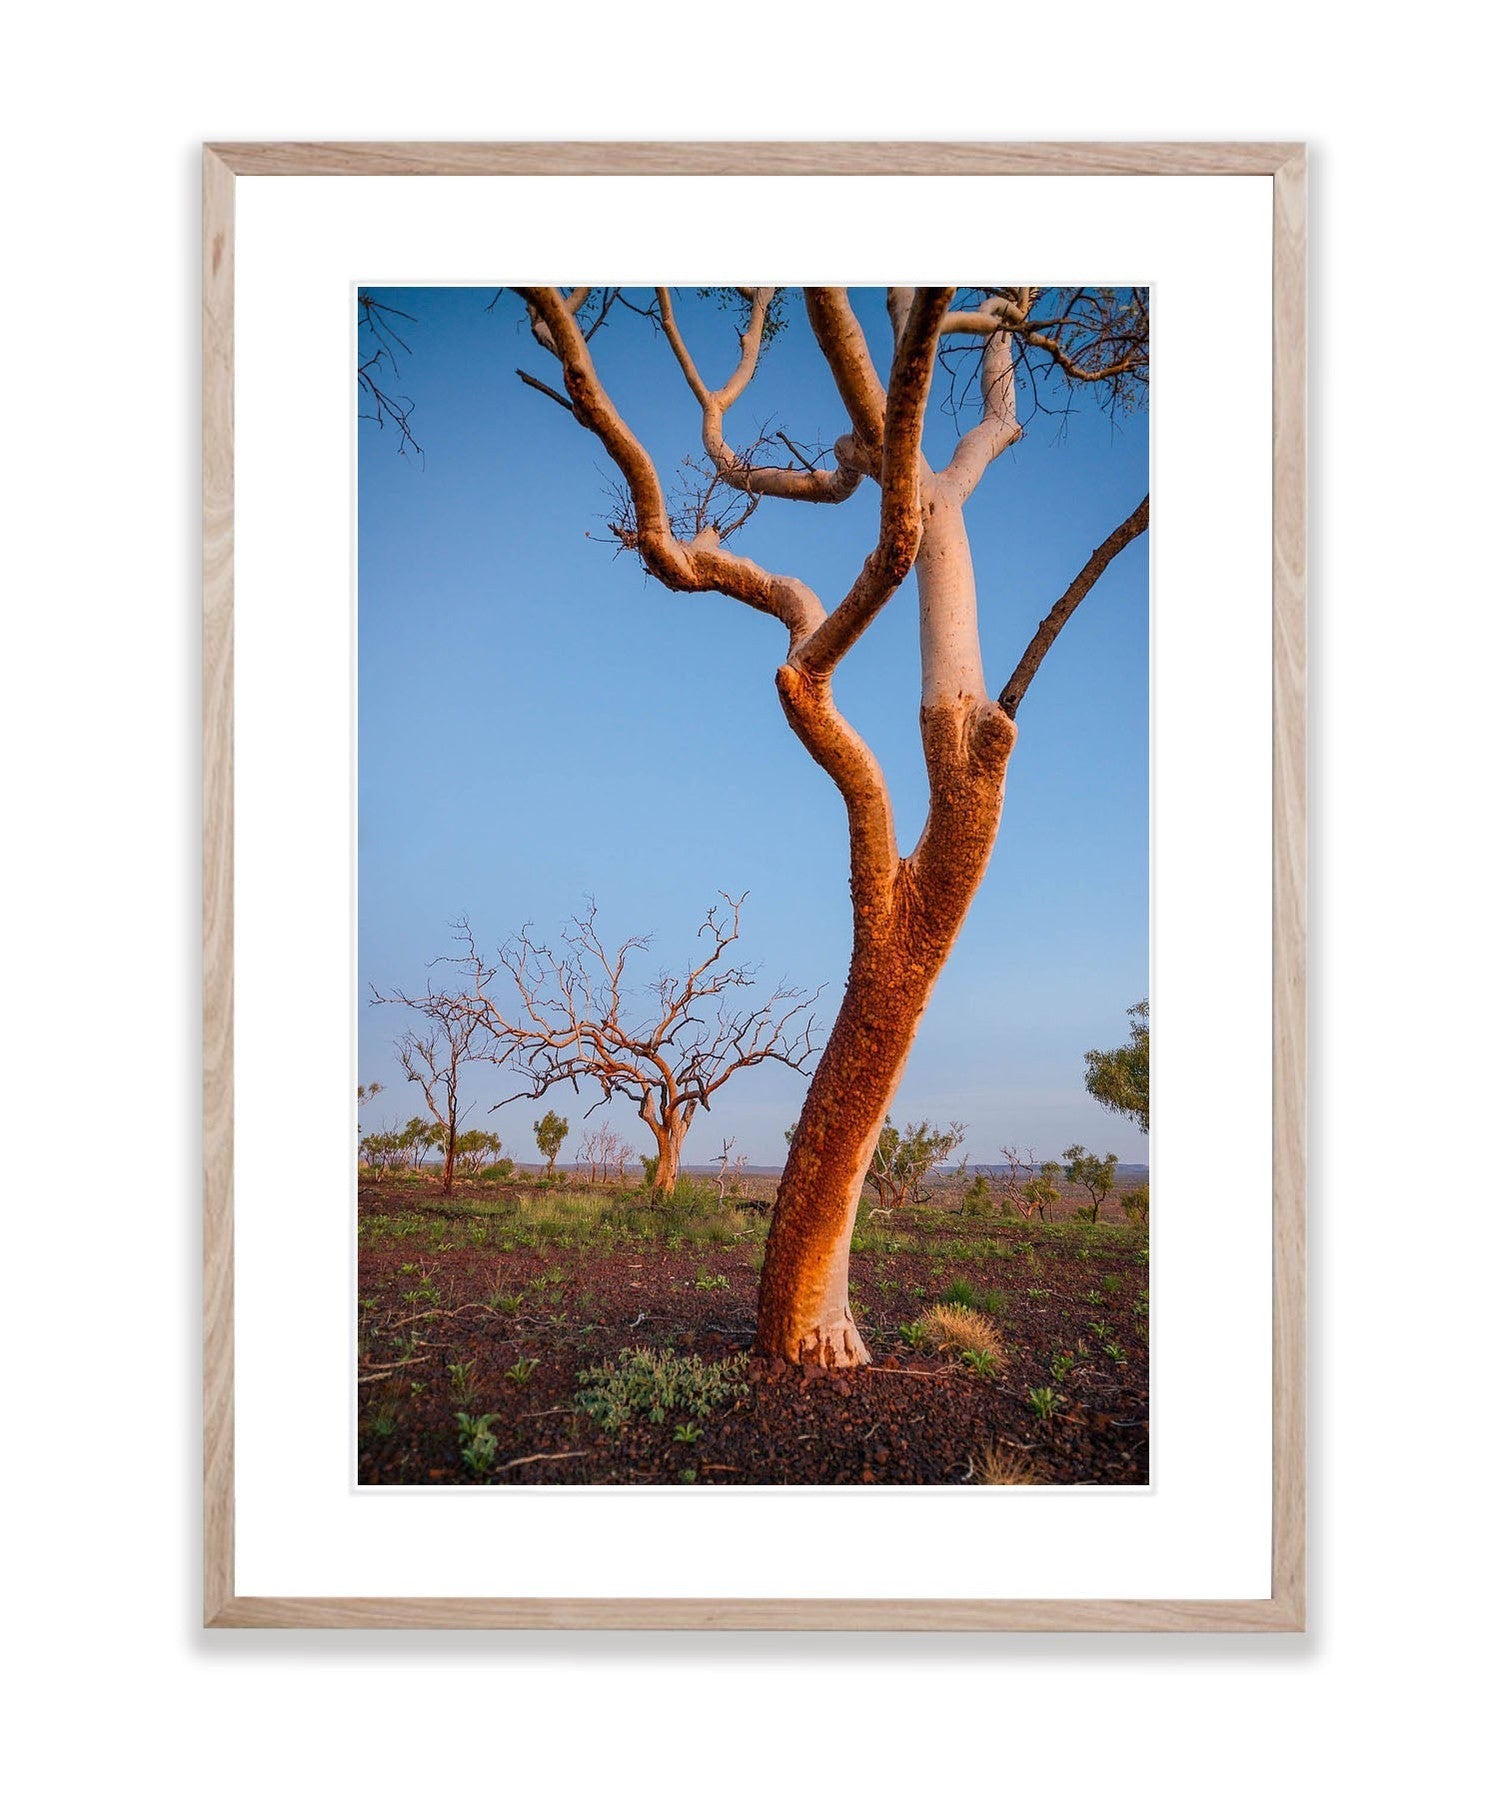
753,886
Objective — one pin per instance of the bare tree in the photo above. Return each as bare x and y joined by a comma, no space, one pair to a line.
562,1016
604,1150
723,1170
433,1062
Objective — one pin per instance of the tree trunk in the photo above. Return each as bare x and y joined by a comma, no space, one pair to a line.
803,1313
450,1156
669,1138
905,924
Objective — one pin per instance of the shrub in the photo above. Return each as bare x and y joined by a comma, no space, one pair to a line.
961,1293
976,1200
653,1382
959,1329
477,1441
503,1170
1136,1203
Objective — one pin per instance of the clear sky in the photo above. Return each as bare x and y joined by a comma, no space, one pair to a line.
540,722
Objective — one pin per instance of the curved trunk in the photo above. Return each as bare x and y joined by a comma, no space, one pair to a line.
669,1136
804,1314
905,924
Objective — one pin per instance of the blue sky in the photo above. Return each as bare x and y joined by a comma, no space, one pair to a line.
539,722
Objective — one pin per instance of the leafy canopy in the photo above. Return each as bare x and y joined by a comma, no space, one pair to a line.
1120,1078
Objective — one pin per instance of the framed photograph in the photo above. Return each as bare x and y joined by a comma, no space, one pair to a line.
723,796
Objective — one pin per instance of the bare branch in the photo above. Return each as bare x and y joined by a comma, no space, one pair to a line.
1050,627
542,388
696,567
743,471
841,339
901,466
564,1019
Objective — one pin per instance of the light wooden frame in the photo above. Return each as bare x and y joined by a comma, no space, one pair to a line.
1284,1610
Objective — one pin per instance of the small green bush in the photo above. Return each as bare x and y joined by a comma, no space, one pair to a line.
653,1382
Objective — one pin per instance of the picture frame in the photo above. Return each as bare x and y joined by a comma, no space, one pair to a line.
1283,166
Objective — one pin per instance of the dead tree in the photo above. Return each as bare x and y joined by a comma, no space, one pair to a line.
907,910
563,1016
603,1149
723,1170
433,1061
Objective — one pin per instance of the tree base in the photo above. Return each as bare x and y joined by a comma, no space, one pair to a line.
834,1344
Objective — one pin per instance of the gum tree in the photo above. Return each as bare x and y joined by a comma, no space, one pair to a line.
1119,1079
550,1133
907,909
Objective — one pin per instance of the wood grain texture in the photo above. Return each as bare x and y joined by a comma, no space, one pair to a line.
1288,846
724,158
1285,1609
1112,1615
218,885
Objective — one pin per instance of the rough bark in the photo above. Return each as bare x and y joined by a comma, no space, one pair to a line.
670,1134
898,955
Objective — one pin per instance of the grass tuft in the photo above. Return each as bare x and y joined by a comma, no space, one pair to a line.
997,1465
959,1329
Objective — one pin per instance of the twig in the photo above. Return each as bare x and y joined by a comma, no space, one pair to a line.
561,1455
384,1370
917,1373
542,388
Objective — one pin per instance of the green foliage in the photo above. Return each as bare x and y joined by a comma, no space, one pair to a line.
983,1362
1094,1174
959,1293
503,1170
474,1150
1120,1078
523,1370
462,1376
1041,1190
550,1133
903,1159
653,1382
687,1433
383,1152
707,1283
418,1136
913,1335
650,1164
1136,1203
425,1292
477,1441
1043,1402
976,1200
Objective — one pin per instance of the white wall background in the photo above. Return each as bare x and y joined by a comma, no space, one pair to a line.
115,1682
